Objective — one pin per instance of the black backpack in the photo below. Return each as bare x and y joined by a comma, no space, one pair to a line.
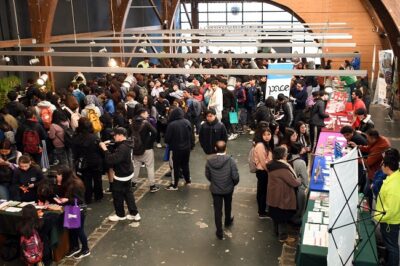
138,146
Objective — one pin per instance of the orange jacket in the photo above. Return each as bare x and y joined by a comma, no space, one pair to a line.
374,159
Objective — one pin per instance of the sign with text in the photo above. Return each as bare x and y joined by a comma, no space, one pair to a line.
277,84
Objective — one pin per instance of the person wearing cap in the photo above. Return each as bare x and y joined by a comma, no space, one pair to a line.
121,162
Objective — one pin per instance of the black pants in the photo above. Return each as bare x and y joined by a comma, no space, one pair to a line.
314,135
122,191
262,186
93,185
298,115
79,234
218,201
181,164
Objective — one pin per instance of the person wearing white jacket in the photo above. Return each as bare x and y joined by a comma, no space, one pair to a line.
216,100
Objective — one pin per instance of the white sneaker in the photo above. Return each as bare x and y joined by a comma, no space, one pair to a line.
231,137
251,132
135,218
116,218
159,145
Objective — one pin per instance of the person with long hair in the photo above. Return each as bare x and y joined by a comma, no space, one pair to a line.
71,188
289,137
262,155
304,138
29,226
87,153
276,133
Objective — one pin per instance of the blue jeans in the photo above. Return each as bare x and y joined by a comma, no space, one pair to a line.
4,193
390,234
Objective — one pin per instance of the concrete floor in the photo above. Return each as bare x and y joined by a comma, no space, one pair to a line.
177,227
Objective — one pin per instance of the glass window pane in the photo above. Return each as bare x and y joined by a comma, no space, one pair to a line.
235,16
234,8
202,25
184,17
216,23
216,17
217,7
203,17
185,25
252,6
252,16
202,7
269,7
188,7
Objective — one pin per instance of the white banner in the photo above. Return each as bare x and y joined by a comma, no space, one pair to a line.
342,240
277,86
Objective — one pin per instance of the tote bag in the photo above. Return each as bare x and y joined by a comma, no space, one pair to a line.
233,117
72,216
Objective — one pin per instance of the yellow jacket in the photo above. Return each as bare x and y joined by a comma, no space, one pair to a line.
389,200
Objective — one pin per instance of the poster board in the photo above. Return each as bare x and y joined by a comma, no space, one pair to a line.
277,84
343,201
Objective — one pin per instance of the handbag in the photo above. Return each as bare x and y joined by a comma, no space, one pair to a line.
72,216
233,118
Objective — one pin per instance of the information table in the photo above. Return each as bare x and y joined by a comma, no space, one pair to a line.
324,154
316,255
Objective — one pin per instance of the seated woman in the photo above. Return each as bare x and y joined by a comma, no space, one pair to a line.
25,179
8,160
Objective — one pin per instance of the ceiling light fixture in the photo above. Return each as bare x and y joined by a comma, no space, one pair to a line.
42,79
34,61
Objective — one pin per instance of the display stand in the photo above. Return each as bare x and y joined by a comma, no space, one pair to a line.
360,208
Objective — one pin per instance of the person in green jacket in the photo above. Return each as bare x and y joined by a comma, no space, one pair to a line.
388,206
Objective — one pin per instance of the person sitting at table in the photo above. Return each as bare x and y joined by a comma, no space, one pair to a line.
317,118
8,160
71,187
26,177
366,122
388,207
281,195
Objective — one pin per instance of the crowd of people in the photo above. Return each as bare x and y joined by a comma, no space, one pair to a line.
103,127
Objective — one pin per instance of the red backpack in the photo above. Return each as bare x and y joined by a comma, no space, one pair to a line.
46,115
32,248
31,141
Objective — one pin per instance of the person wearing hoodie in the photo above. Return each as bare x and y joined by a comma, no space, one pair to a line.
223,174
120,159
284,112
90,105
43,103
88,159
180,139
366,122
317,118
281,195
147,135
130,104
211,131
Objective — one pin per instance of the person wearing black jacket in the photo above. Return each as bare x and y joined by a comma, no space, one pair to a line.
264,111
147,135
121,162
88,159
284,112
228,103
317,118
180,139
14,107
211,131
299,101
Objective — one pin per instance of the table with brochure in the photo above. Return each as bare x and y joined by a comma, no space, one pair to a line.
313,247
52,217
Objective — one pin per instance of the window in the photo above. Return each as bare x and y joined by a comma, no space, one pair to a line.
245,13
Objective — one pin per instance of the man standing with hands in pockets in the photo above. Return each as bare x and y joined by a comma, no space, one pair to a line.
222,172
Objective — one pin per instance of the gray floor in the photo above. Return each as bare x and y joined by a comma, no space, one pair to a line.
177,227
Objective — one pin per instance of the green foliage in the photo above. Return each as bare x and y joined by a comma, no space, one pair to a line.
6,85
